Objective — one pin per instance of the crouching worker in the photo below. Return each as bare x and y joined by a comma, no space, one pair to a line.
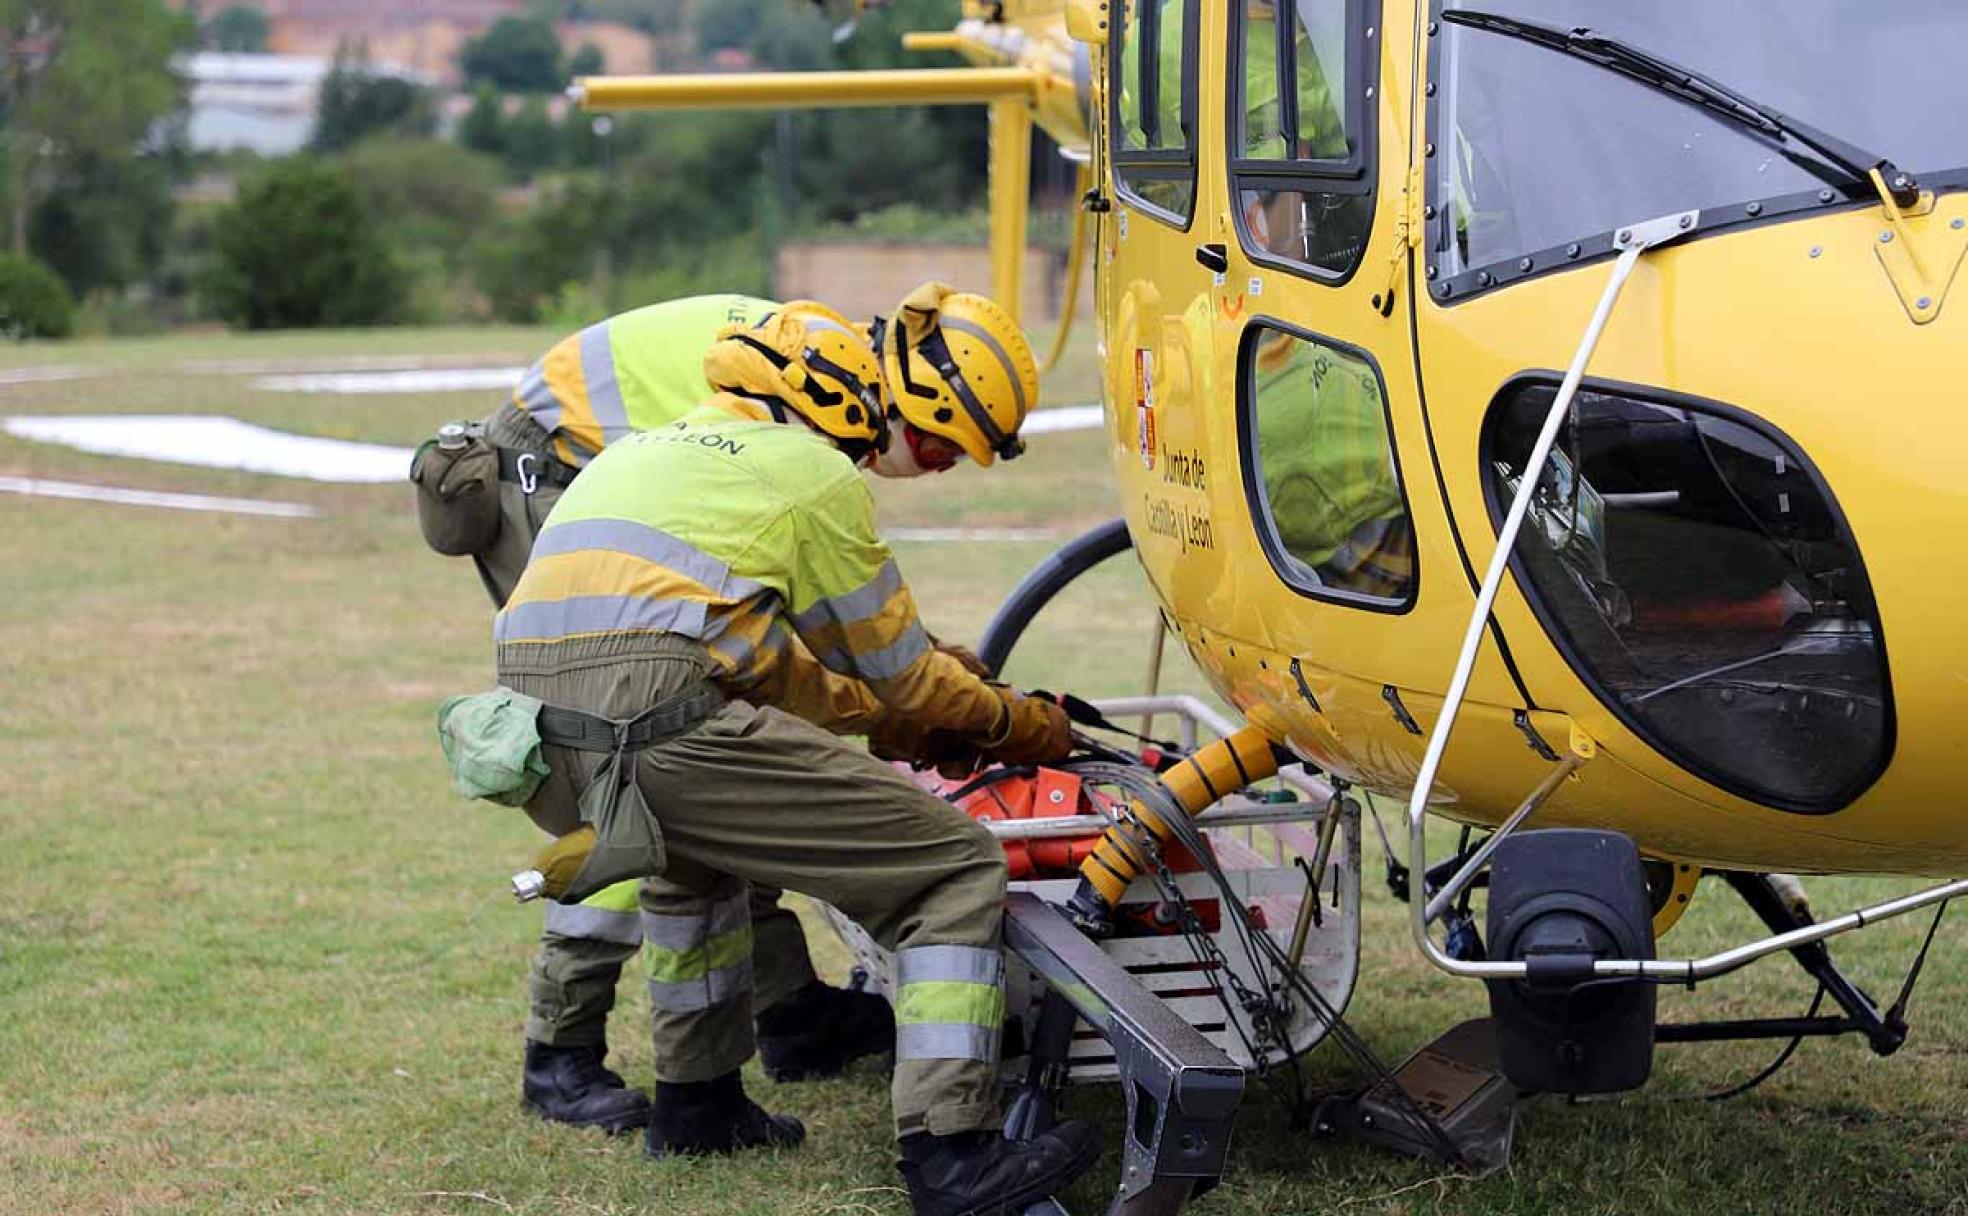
706,604
964,380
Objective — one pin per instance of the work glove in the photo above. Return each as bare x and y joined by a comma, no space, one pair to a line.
1035,731
967,657
906,739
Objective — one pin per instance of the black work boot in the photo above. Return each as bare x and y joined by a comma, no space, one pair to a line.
698,1117
984,1174
569,1085
819,1030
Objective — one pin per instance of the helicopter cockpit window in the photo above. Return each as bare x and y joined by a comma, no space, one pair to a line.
1698,575
1154,106
1540,156
1320,471
1299,131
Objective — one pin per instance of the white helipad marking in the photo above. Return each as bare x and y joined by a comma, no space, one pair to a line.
215,442
938,535
154,498
1065,418
418,380
42,375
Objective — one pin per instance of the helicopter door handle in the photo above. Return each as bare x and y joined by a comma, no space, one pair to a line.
1215,257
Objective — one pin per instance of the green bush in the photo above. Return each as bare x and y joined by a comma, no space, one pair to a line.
34,302
298,249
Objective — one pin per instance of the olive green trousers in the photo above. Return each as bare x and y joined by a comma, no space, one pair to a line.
582,952
756,796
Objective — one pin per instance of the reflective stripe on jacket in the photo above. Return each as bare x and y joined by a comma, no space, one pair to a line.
758,539
633,372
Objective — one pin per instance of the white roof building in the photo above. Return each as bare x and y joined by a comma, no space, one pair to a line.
257,103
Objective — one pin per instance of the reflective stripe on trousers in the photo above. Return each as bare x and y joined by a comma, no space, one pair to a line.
609,915
949,1003
697,961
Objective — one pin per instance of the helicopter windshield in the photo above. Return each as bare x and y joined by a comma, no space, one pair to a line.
1543,151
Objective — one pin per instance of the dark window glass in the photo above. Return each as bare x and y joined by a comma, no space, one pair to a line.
1699,576
1540,150
1326,487
1298,150
1154,110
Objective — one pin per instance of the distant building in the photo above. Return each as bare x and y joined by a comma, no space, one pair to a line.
424,36
257,103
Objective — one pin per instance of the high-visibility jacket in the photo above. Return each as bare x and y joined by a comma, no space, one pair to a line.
633,372
758,539
1327,466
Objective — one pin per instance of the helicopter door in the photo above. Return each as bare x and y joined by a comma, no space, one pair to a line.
1156,301
1354,564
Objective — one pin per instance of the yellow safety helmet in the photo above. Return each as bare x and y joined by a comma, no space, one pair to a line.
809,359
958,366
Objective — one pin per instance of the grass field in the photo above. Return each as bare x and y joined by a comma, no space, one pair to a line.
255,958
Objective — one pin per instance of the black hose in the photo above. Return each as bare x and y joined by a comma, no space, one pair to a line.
1048,579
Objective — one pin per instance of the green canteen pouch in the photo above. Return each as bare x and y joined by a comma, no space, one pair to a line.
458,494
492,743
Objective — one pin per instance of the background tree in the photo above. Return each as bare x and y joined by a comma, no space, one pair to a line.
518,54
240,27
587,61
81,78
108,222
298,249
483,128
531,144
358,100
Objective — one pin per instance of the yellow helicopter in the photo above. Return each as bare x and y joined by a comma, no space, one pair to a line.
1518,419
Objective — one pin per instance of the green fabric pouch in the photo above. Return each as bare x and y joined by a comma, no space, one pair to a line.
492,743
628,843
458,494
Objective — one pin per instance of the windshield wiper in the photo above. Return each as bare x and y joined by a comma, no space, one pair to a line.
1665,76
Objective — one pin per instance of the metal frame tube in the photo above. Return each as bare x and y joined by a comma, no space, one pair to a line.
1056,827
775,90
1450,889
1634,242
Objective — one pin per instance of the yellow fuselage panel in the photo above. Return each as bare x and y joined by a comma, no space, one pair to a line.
1822,347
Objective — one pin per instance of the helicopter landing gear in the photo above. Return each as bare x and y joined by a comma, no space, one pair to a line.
1885,1032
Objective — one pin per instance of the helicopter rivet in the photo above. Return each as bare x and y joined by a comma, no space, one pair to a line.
1428,213
1370,31
1523,263
1625,235
1445,290
1886,238
1483,278
1432,28
1923,303
1824,196
1572,251
1816,250
1754,208
1958,224
1687,221
1430,90
1370,90
1429,150
1433,271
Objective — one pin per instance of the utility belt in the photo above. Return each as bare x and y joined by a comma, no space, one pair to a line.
501,732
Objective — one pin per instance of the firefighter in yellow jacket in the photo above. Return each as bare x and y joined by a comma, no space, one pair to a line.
634,372
707,607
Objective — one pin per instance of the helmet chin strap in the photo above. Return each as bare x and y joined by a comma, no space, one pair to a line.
899,458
